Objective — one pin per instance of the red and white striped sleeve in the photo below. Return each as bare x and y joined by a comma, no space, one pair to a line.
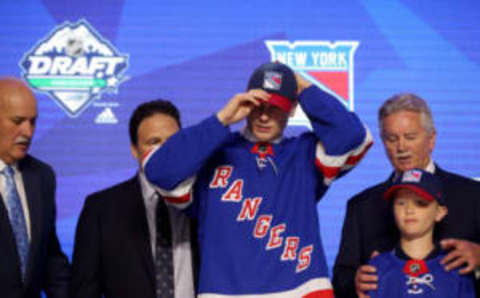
332,166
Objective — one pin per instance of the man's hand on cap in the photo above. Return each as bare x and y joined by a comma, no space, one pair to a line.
301,83
241,105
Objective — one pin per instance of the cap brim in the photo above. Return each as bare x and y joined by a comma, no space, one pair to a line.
280,101
422,193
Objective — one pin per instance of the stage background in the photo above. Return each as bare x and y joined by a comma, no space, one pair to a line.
200,53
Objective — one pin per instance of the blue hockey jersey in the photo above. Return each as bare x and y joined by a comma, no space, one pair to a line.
399,278
258,227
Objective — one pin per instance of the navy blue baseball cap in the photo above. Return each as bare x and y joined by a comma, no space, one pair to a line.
423,183
278,80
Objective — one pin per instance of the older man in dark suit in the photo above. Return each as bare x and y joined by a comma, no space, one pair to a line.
408,135
31,260
128,243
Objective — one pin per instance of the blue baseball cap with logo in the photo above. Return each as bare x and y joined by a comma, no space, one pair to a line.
278,80
423,183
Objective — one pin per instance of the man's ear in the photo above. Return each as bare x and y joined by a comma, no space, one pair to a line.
441,213
431,141
134,151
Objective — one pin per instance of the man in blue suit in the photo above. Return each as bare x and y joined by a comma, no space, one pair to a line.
31,260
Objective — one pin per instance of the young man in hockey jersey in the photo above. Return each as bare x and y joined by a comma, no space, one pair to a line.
413,267
254,192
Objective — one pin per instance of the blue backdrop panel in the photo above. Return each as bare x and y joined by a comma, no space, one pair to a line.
200,53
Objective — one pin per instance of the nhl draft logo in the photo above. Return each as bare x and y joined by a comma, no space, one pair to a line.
327,65
74,65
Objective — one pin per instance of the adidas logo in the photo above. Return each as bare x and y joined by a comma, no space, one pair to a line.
106,117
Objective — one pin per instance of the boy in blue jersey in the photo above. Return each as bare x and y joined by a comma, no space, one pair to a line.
254,192
413,268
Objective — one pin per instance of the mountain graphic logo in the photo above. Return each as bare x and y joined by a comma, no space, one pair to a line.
74,65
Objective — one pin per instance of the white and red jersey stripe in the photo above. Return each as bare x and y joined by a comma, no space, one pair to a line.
181,195
332,166
314,288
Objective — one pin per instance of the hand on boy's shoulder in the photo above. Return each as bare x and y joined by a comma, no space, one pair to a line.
460,253
366,278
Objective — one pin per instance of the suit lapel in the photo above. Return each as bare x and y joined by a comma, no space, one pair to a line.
33,191
440,172
139,227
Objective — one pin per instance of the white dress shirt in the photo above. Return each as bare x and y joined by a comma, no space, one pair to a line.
182,252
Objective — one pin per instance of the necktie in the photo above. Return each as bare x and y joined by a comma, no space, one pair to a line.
163,256
17,218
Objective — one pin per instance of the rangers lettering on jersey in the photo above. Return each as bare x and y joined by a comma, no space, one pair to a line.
249,210
220,178
234,193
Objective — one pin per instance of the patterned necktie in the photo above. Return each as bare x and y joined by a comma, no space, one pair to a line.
17,218
163,254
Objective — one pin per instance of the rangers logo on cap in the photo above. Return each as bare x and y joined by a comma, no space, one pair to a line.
272,80
412,176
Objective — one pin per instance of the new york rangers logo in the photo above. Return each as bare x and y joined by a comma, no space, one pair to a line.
412,176
272,80
327,65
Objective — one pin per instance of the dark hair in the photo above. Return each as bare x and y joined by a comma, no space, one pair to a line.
150,108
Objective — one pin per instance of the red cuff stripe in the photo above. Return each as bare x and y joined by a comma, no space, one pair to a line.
178,200
328,172
332,172
354,159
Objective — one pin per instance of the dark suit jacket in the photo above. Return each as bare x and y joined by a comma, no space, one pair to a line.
112,254
47,267
369,225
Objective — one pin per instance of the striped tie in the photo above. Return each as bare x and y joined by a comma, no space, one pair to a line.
164,256
17,218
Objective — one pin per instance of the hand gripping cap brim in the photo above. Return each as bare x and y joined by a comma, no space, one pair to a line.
278,80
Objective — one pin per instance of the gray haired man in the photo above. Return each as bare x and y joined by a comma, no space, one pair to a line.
408,135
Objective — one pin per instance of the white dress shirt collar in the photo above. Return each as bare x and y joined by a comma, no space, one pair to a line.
148,192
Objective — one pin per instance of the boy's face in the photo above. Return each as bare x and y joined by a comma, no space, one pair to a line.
267,122
415,217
